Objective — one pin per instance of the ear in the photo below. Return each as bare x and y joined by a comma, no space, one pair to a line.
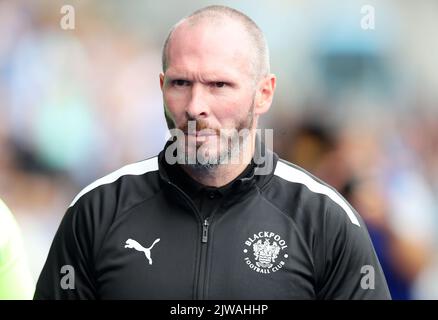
161,81
265,94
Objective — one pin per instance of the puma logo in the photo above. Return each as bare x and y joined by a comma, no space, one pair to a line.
132,244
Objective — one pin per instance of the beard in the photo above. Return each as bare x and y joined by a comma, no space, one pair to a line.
223,147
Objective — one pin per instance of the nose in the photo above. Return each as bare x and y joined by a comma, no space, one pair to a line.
197,106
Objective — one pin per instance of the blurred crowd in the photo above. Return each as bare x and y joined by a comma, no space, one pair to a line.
356,108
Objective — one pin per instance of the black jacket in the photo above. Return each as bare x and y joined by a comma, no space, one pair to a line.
133,234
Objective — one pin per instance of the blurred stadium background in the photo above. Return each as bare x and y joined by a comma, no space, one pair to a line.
358,108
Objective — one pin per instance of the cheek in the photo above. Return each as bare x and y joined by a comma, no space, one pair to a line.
233,111
175,103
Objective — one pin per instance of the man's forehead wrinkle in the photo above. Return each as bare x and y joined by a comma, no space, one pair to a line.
225,65
214,63
203,76
187,56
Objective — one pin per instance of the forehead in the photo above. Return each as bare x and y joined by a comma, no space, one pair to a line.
217,47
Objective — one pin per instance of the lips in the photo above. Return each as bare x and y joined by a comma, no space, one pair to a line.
205,133
202,133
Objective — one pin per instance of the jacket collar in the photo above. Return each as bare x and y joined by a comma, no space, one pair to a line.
264,161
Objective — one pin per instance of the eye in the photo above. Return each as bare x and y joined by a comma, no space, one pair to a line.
180,83
218,84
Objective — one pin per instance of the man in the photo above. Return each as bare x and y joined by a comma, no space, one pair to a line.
16,282
206,218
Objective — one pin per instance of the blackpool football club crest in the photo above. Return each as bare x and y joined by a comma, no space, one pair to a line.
265,252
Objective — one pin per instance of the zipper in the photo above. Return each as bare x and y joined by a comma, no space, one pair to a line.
201,269
205,231
204,272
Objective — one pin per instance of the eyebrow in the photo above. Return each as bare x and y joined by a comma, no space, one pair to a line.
208,77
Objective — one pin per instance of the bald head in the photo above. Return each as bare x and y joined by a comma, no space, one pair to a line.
217,17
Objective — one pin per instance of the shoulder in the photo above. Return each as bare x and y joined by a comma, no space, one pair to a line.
308,199
100,204
119,189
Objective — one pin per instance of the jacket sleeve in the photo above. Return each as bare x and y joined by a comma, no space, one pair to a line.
68,271
351,269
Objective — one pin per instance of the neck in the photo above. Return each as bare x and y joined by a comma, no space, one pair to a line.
222,174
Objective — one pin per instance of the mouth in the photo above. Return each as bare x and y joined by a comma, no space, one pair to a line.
200,134
201,137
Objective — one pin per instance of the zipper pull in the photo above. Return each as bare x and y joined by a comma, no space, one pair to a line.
205,231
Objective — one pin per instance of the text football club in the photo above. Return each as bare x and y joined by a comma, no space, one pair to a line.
265,252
